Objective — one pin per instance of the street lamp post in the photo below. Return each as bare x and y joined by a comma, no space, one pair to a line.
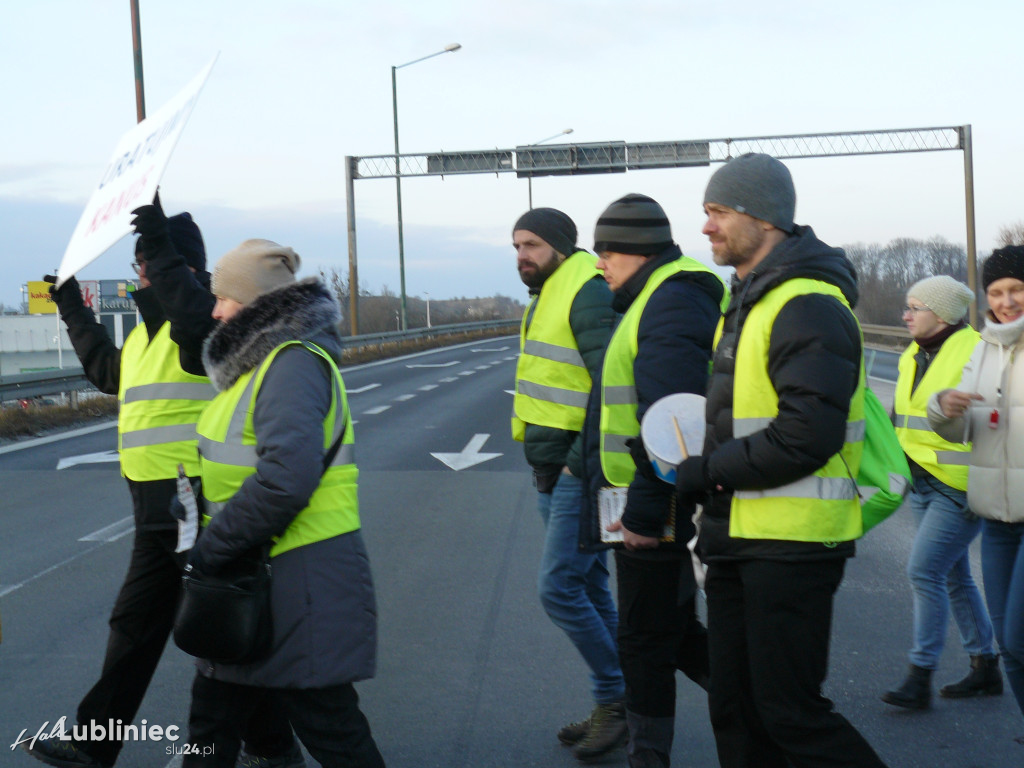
398,170
428,308
529,179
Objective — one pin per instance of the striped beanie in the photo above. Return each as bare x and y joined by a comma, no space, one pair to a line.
633,224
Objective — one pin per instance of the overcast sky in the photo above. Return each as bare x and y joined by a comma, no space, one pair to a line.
300,85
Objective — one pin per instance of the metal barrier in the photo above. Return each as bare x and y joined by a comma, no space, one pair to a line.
29,385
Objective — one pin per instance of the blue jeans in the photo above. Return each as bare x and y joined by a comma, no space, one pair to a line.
1002,565
573,588
940,574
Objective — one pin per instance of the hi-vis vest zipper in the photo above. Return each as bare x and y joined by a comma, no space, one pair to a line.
552,381
159,404
945,460
618,387
824,506
227,446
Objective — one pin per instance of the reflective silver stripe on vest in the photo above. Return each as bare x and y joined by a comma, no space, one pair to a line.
346,455
810,487
955,458
554,353
621,395
615,444
904,421
898,485
182,390
175,433
746,427
231,454
552,394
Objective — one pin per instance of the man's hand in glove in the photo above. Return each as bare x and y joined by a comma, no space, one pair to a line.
150,222
692,481
68,297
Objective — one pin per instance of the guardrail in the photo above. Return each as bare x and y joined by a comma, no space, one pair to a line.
28,385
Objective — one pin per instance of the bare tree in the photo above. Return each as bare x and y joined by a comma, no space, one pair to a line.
885,272
1011,234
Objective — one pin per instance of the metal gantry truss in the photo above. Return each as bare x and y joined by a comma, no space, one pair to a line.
620,156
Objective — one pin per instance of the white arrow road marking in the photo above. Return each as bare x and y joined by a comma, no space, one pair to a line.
498,349
375,411
427,387
469,455
87,458
466,373
403,398
482,367
433,365
112,532
367,388
449,379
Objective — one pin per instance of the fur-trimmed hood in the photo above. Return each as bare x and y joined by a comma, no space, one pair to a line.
296,311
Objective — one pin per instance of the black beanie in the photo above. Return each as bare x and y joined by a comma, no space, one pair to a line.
633,224
188,240
553,226
1004,262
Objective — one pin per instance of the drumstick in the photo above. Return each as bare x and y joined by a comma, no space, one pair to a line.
679,437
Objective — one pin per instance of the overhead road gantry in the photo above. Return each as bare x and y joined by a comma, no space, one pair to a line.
527,161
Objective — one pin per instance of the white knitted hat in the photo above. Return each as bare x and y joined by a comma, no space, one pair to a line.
946,297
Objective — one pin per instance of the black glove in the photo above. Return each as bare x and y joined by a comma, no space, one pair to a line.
692,481
639,455
150,222
68,297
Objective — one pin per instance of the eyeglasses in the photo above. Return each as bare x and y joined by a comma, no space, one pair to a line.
916,310
137,266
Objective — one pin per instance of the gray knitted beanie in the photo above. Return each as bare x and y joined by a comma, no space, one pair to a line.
633,224
946,297
253,268
553,226
757,185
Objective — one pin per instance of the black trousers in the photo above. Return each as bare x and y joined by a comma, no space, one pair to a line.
141,622
659,632
328,722
768,629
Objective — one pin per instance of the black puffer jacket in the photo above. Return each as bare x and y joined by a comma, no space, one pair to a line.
673,351
814,357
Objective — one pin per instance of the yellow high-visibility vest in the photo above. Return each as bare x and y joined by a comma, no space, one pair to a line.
552,380
618,387
823,506
159,404
227,447
945,460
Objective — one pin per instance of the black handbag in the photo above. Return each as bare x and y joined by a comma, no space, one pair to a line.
226,617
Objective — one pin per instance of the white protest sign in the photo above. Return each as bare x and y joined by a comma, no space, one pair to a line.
130,180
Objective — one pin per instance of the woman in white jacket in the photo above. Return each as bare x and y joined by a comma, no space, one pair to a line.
988,409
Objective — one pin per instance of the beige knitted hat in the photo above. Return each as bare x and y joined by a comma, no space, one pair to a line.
946,297
252,269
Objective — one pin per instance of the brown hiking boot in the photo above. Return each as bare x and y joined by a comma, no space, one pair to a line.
606,732
574,732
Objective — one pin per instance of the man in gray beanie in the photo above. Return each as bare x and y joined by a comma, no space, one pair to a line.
780,514
564,332
939,567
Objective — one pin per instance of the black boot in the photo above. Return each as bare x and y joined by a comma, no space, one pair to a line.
984,679
915,692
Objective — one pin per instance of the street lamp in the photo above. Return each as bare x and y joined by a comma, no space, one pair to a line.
428,308
529,179
398,170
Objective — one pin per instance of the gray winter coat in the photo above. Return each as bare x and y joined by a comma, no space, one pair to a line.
324,612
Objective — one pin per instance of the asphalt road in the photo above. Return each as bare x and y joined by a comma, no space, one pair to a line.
471,673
